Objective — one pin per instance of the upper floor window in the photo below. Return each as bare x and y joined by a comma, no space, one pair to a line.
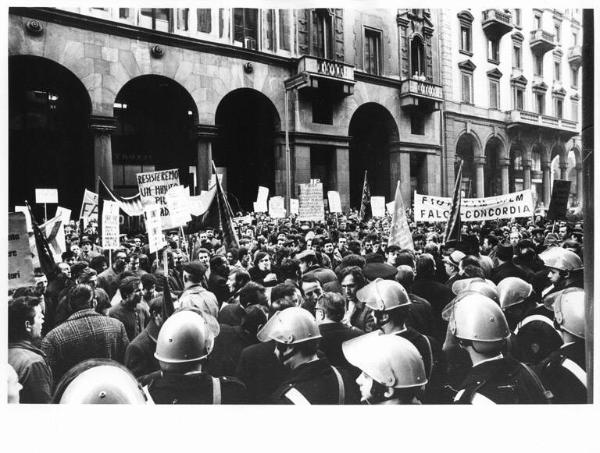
245,26
322,31
517,57
417,57
182,18
557,33
494,94
537,21
467,87
558,108
204,20
269,32
518,95
494,51
160,18
574,110
538,68
517,17
557,70
284,29
540,102
372,51
465,39
574,38
574,78
123,13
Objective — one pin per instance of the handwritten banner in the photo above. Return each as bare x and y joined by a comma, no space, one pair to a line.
89,206
428,208
20,264
110,225
311,207
152,217
153,187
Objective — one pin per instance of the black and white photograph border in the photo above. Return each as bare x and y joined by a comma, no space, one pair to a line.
392,108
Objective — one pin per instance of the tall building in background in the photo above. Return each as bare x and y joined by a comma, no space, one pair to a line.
511,81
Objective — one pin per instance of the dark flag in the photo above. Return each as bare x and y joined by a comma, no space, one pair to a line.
44,253
365,202
453,226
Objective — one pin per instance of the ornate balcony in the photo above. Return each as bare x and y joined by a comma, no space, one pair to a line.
574,56
532,121
313,73
496,23
420,94
541,41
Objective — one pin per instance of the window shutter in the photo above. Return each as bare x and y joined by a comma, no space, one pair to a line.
338,32
304,16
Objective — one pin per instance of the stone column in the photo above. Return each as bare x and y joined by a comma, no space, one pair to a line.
279,156
433,168
579,171
563,169
301,159
342,170
546,184
504,163
526,174
205,135
479,176
102,127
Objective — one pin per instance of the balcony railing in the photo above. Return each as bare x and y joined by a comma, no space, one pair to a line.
541,41
574,56
415,93
496,23
521,117
314,72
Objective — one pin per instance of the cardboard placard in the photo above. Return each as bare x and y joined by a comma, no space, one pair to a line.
20,264
110,225
390,207
378,206
153,187
277,207
559,200
335,204
89,206
152,217
261,199
46,196
294,205
178,202
65,215
311,207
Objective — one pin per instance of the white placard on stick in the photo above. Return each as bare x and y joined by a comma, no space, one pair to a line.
390,207
46,196
89,205
20,265
378,206
178,202
65,215
153,188
156,240
311,207
110,225
277,207
294,204
261,199
335,204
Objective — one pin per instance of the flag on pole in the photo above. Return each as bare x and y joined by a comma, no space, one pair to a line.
453,226
365,203
45,257
400,234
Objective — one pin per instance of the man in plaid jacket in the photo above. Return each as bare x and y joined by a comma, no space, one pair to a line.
84,335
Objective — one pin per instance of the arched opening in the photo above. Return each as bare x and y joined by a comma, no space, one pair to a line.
372,130
245,147
465,152
515,169
536,174
155,123
417,57
50,144
492,172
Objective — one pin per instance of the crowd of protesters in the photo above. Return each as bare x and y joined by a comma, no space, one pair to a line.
308,312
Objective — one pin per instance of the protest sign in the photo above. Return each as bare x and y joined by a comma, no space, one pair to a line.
153,187
199,204
55,235
311,207
261,199
89,206
276,207
65,215
178,202
559,200
335,204
152,217
110,225
25,211
428,208
294,205
390,207
378,206
46,196
400,234
20,264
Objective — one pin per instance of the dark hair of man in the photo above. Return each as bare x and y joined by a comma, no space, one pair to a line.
235,253
492,240
80,297
372,237
242,251
399,315
155,306
102,300
289,269
148,281
353,260
66,256
254,317
240,276
20,310
354,247
251,294
470,260
405,276
310,260
128,285
25,291
425,266
77,269
310,278
471,271
405,257
282,290
307,348
392,248
356,272
97,263
333,305
203,250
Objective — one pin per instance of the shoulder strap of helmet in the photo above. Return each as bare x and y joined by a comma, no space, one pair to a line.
296,397
341,387
216,390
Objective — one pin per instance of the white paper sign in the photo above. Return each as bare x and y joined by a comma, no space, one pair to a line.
110,225
156,240
294,205
390,207
25,211
89,206
46,196
311,207
335,204
178,202
378,206
153,187
20,265
65,215
277,207
261,199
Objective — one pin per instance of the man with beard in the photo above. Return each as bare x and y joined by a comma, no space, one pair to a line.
134,318
109,279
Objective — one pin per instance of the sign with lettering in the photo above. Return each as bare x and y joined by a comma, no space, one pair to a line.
20,264
46,196
178,202
152,217
110,225
89,206
311,207
294,205
153,187
335,204
65,215
559,200
277,207
428,208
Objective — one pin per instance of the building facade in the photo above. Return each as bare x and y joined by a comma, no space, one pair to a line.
274,97
511,81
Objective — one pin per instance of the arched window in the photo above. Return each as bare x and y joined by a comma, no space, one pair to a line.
417,58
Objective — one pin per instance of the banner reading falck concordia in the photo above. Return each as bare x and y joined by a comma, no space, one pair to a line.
428,208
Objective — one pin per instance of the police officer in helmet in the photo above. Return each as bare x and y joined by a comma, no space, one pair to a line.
183,345
392,369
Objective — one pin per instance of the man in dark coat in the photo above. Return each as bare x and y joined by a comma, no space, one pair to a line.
129,311
109,279
84,335
217,281
506,267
